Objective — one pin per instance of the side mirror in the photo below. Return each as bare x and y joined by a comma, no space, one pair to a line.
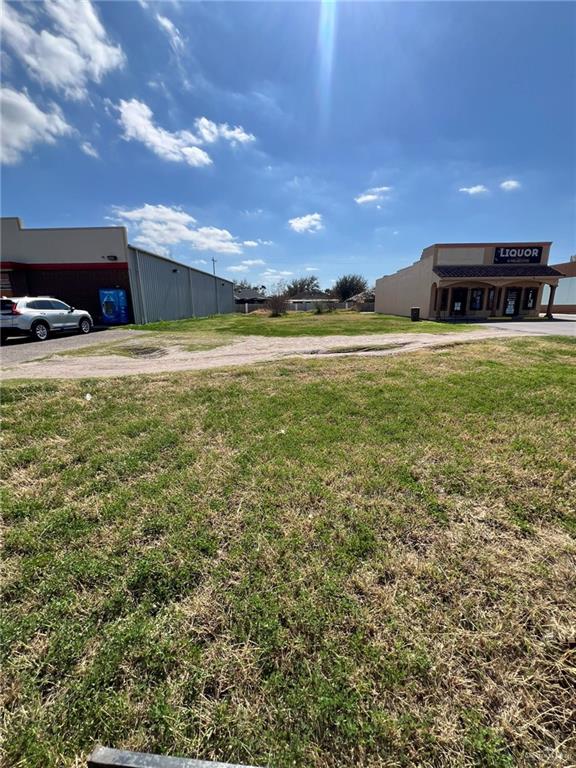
71,309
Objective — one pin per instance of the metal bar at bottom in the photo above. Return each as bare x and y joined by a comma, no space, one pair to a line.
104,757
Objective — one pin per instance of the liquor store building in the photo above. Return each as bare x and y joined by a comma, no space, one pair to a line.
468,281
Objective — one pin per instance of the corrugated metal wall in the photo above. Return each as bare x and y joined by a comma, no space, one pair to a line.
165,290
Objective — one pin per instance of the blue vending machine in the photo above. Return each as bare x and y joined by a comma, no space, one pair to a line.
114,306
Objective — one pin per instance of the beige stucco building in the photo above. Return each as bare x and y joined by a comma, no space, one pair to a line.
471,281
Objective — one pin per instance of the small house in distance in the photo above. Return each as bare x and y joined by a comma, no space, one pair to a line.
248,299
307,300
471,281
363,302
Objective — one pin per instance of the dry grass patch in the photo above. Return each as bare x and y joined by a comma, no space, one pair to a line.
152,344
320,563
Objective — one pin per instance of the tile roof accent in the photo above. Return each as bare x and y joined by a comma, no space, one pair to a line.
495,270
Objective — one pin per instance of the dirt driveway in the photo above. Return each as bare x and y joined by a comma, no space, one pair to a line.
243,351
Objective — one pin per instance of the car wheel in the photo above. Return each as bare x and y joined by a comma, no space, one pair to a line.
85,325
40,331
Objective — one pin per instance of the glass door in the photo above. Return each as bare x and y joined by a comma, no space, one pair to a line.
459,301
512,302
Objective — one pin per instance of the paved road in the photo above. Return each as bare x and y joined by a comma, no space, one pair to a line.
22,349
562,325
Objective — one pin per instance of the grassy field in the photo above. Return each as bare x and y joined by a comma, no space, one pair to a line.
341,322
204,333
323,563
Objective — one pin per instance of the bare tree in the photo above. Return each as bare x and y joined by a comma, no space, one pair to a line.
277,301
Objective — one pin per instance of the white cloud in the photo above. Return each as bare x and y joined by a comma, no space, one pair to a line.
137,120
311,269
254,243
157,226
24,125
510,184
199,261
172,31
275,274
312,222
373,195
245,265
89,150
214,239
209,132
64,46
479,189
252,214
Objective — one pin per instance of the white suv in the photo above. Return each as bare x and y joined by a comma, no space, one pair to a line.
39,316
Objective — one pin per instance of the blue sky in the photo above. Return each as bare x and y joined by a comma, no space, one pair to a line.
292,138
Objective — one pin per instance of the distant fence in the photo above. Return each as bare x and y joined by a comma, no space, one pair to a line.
246,308
366,307
103,757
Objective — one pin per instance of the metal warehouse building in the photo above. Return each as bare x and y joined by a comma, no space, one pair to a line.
95,268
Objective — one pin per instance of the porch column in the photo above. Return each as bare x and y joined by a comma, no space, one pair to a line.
494,307
550,302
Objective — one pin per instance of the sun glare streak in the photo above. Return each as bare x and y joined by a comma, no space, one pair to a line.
326,41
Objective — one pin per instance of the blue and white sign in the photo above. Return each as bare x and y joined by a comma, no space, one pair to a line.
114,306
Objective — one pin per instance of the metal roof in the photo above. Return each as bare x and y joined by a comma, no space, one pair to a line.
178,263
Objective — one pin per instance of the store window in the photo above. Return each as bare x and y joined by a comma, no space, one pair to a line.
476,298
530,296
491,297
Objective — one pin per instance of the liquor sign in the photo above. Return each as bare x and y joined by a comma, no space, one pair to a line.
518,254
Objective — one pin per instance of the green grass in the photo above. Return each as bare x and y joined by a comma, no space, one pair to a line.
341,322
323,563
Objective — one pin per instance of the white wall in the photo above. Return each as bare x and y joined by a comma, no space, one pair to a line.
565,293
85,245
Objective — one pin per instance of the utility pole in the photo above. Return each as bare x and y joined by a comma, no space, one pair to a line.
215,285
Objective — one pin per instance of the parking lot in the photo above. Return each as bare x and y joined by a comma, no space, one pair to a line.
22,349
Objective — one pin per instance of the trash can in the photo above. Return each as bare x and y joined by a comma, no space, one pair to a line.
414,314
